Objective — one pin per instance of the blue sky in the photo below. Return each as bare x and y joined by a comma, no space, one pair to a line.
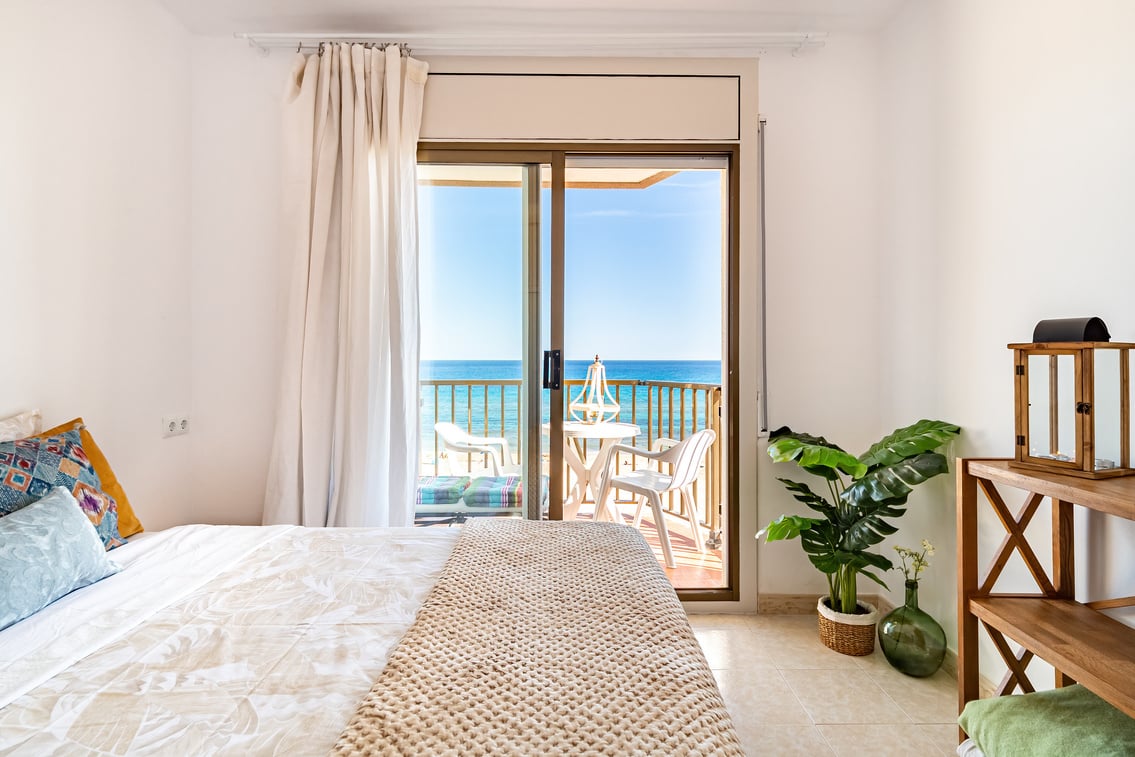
642,279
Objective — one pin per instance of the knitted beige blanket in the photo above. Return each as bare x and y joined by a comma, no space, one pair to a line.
546,638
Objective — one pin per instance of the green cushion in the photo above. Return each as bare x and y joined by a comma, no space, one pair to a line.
1057,723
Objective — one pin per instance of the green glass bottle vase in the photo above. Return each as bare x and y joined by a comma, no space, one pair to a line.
911,640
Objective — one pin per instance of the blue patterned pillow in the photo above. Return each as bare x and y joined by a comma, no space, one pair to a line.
47,550
30,468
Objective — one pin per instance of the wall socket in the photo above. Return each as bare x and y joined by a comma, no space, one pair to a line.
175,425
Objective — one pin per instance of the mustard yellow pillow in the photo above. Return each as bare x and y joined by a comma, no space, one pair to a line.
128,523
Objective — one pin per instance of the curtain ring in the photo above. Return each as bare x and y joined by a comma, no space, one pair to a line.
321,46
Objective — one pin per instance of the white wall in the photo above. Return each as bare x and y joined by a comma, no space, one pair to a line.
94,212
1020,125
238,270
823,237
913,316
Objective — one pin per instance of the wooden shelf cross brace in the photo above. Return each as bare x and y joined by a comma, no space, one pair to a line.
1016,661
1015,526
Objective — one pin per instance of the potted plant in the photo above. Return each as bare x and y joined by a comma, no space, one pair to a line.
862,494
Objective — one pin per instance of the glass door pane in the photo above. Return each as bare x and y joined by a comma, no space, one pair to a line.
644,341
477,226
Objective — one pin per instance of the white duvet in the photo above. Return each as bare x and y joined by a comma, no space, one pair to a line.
216,640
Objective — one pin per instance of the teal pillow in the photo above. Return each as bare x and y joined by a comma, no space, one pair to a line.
1056,723
495,491
440,490
47,550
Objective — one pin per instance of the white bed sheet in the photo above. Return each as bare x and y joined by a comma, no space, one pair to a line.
969,748
156,570
216,640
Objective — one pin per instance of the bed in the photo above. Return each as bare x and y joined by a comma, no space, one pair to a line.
276,640
504,636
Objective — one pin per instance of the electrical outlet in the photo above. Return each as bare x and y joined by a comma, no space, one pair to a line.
175,425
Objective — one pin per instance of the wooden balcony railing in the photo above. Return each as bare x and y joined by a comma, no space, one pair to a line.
662,409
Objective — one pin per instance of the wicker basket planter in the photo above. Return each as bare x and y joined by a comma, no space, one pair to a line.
846,633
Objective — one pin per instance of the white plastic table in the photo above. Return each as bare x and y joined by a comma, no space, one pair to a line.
587,471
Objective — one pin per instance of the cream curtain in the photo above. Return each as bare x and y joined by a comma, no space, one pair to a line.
345,451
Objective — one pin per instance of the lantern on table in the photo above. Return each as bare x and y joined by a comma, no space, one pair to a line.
594,402
1073,400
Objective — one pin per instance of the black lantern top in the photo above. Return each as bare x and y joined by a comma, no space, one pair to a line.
1090,329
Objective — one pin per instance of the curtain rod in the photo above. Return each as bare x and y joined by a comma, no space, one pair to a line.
713,44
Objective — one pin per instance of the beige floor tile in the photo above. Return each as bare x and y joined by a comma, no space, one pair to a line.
735,649
944,737
927,700
719,620
804,619
843,696
803,625
760,697
877,740
777,679
792,641
782,741
874,662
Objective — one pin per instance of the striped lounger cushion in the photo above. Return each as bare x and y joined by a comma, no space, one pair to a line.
495,491
441,490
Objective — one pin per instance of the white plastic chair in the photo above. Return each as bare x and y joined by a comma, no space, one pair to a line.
457,440
651,483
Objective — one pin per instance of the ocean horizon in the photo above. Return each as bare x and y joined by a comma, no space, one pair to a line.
494,410
687,371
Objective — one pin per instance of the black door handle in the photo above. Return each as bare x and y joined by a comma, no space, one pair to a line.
551,369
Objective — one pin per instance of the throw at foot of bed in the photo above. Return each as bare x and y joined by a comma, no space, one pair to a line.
546,638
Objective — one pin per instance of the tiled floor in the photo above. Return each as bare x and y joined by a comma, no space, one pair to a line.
790,695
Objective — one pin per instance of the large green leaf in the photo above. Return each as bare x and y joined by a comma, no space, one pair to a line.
814,454
818,537
904,443
890,485
868,530
874,578
787,527
880,495
820,544
802,493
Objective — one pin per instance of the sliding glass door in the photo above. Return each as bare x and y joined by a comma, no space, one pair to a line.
480,412
644,344
573,302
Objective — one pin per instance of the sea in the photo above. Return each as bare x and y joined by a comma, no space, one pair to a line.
494,410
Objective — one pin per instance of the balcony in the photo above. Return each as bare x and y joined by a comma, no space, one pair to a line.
661,409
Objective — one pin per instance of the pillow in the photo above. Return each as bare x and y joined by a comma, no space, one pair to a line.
440,490
30,468
20,426
128,523
495,491
47,550
1052,723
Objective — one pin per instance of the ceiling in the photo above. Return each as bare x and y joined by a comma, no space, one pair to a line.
557,20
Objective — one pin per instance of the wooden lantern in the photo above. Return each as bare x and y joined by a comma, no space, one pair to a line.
1073,407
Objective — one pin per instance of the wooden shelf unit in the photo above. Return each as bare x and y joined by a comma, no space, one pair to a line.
1081,643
